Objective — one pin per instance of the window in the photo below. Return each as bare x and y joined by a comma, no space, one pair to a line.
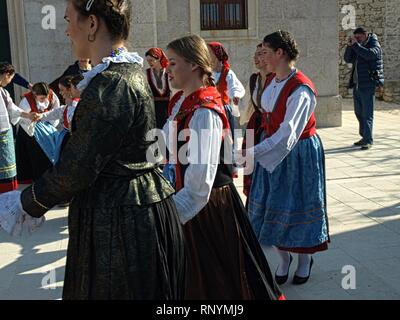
223,14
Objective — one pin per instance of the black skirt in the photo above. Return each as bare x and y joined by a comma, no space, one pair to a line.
125,253
225,259
32,162
161,108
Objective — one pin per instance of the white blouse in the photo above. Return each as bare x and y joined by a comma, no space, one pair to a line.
9,112
246,107
58,113
13,218
161,91
299,108
200,174
28,125
235,88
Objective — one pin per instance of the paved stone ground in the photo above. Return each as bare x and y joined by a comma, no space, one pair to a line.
364,211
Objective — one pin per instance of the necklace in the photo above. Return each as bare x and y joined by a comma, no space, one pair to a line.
287,77
117,52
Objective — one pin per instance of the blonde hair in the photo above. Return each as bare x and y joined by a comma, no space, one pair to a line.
195,50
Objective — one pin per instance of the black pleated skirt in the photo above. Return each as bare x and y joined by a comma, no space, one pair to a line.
225,259
32,162
161,108
125,253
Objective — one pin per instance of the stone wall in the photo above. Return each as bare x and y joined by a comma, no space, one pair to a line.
392,50
383,18
49,51
313,23
370,15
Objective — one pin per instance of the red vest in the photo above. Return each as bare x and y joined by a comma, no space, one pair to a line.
272,120
154,89
222,87
32,102
67,124
208,98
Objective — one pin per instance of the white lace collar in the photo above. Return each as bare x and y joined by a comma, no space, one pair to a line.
124,57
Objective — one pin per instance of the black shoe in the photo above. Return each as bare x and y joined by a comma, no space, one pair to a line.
302,280
366,146
359,143
282,279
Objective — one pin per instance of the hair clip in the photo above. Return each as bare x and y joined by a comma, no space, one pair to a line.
89,5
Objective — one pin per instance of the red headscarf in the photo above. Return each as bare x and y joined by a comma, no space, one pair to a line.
158,53
220,53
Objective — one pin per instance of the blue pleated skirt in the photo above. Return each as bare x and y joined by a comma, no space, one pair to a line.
170,174
8,167
59,144
287,208
46,136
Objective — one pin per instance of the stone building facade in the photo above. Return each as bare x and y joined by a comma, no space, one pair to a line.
42,55
383,18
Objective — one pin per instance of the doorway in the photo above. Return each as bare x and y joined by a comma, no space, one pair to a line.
5,49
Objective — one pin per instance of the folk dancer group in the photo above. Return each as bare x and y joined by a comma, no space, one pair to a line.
132,233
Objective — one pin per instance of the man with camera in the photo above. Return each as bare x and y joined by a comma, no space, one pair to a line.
365,53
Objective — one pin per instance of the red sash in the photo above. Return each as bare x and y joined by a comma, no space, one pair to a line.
67,124
222,87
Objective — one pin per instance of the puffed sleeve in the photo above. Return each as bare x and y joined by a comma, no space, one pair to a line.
203,164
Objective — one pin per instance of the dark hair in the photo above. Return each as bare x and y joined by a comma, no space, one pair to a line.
360,30
6,67
69,81
115,13
150,53
259,46
285,41
41,89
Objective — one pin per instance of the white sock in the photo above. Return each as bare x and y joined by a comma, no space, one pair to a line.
303,267
284,261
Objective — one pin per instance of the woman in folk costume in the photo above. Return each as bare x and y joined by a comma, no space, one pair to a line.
80,66
225,260
287,205
125,239
229,86
158,81
250,106
9,114
36,141
71,95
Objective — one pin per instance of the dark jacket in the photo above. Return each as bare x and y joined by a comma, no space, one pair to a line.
122,221
20,81
368,60
72,70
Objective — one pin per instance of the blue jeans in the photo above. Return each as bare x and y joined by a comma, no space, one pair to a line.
364,105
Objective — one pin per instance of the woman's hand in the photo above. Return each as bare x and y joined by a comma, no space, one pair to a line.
32,116
37,117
